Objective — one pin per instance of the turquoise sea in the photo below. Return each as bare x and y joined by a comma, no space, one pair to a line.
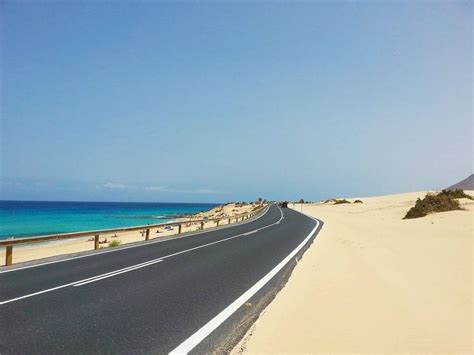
28,218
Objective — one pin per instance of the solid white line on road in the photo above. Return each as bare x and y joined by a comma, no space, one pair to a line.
191,342
133,267
135,245
36,293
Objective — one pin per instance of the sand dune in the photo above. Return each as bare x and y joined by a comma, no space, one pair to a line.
374,283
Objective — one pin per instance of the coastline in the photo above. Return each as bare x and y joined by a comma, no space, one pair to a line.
374,283
29,252
23,219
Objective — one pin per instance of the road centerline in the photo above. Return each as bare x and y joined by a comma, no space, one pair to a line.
133,267
101,277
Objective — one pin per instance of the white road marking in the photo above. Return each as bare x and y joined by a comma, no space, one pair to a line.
36,293
133,267
112,273
97,278
135,246
191,342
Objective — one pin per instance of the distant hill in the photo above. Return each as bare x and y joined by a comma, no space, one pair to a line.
466,184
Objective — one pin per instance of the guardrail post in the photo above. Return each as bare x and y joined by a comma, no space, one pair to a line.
96,242
147,234
180,226
202,225
228,222
217,223
9,255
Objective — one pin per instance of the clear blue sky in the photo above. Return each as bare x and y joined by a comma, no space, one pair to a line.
205,101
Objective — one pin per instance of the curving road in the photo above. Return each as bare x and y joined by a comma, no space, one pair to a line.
195,293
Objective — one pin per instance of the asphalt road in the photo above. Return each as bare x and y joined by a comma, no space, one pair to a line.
196,293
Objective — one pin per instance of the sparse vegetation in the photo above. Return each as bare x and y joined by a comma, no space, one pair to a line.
339,202
441,202
358,201
301,200
457,193
114,243
330,200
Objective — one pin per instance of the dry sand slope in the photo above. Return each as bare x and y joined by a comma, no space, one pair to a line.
374,283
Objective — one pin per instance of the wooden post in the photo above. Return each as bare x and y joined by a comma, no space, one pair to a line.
228,222
202,225
9,255
96,242
180,226
217,223
147,234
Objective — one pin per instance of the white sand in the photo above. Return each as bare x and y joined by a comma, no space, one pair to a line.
374,283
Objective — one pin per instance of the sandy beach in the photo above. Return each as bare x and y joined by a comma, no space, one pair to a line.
54,248
374,283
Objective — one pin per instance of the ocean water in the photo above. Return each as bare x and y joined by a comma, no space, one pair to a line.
28,218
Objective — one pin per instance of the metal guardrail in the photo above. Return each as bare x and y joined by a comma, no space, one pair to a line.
9,243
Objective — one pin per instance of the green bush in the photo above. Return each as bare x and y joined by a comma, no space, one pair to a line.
338,202
458,193
114,243
441,202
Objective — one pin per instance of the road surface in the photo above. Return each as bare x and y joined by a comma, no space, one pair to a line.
196,293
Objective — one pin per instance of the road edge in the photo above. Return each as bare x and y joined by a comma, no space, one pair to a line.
238,345
223,333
